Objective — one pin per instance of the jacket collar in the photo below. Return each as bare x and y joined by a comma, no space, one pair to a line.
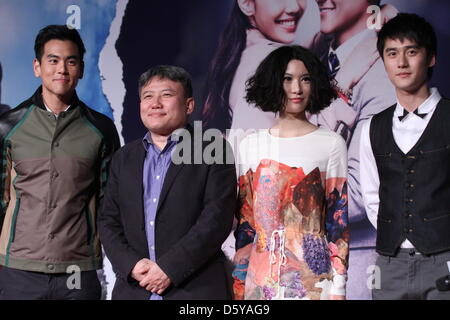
37,100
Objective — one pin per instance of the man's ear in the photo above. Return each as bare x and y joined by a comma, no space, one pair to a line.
190,105
81,69
247,7
36,68
432,61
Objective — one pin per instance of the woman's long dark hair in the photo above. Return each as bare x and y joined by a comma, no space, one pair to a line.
217,112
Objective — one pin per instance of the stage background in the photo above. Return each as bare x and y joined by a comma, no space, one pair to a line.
124,38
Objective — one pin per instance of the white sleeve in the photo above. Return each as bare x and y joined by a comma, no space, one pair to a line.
370,181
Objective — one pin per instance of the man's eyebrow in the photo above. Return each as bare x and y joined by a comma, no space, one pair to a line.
414,46
163,90
51,55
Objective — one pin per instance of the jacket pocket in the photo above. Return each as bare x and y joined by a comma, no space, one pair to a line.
89,226
439,215
12,234
383,155
386,220
426,152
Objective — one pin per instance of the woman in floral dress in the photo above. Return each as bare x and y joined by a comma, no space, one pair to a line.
292,237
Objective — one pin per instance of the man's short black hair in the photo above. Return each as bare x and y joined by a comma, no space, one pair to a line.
173,73
412,27
265,87
57,32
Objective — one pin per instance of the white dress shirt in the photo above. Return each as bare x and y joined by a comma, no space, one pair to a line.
406,134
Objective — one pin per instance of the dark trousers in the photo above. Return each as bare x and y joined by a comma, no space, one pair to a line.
26,285
411,276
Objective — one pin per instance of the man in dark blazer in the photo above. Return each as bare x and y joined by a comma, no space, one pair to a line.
163,222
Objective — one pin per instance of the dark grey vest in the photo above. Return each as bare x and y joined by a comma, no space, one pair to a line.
414,187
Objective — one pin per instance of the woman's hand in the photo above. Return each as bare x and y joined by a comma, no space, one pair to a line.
388,11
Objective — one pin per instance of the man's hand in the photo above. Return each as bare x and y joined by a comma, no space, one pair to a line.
140,269
155,280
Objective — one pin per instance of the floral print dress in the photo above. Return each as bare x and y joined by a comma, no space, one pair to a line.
292,237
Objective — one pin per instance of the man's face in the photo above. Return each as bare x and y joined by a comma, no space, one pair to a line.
339,15
60,68
406,64
164,106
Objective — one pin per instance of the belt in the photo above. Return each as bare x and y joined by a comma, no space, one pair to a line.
410,251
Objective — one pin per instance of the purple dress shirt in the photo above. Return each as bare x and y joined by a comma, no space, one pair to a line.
156,164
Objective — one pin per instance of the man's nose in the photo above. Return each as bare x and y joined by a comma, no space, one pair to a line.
402,60
62,67
156,103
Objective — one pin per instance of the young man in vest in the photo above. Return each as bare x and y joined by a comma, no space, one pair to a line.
405,176
343,30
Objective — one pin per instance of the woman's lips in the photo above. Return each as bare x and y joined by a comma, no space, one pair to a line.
296,100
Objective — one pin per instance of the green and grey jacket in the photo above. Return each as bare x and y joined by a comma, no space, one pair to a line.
53,173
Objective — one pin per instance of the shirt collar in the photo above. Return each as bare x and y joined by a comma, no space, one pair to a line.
172,140
429,105
50,110
37,100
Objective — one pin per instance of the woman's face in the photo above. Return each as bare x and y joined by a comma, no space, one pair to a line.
278,19
297,88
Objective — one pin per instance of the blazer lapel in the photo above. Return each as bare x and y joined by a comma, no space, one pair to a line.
174,170
171,174
137,187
